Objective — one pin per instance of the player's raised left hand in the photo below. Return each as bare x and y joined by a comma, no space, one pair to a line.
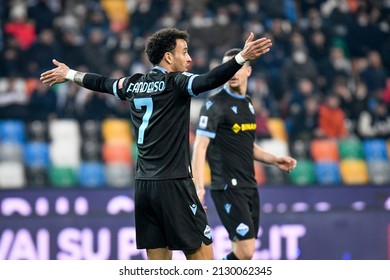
56,75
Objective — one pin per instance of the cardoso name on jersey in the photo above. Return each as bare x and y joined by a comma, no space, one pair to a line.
142,87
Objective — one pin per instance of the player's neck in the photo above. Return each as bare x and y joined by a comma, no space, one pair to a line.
166,66
235,91
238,91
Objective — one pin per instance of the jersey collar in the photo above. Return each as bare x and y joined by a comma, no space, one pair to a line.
232,94
162,69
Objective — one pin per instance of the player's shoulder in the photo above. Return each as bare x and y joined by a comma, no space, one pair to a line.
136,76
214,102
178,77
248,98
218,96
133,78
180,74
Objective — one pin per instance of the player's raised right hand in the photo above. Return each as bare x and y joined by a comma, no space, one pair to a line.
254,49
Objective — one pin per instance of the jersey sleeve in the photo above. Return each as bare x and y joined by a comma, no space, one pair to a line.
215,77
118,87
210,116
122,88
183,82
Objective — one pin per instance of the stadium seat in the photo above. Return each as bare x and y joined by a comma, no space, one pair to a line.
92,130
277,129
116,152
328,172
12,175
324,150
63,177
375,149
116,130
91,150
303,173
275,146
64,130
274,176
65,154
37,177
379,171
350,148
11,151
36,154
92,175
300,149
12,131
119,175
37,131
117,13
354,171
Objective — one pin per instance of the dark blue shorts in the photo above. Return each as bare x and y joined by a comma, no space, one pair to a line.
168,214
239,211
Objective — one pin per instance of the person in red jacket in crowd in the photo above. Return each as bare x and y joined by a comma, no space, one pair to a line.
331,118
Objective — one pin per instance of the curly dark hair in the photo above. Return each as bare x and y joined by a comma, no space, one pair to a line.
163,41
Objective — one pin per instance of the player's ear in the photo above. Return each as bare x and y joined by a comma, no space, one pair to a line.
168,57
249,70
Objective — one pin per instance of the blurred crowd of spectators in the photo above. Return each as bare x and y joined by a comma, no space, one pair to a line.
326,76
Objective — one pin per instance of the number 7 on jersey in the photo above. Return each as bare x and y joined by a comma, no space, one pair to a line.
148,103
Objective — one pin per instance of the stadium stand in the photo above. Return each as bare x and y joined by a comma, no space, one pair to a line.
375,149
12,131
36,154
277,128
328,172
304,173
324,150
63,177
84,133
118,175
12,175
354,171
379,172
91,175
350,148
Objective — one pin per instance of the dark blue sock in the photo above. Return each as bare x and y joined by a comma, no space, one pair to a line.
230,256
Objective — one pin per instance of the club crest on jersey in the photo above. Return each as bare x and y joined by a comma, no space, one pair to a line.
242,229
207,232
234,109
251,108
203,121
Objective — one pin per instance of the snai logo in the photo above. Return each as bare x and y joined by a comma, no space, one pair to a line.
243,127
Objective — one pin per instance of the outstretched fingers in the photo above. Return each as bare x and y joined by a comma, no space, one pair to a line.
264,44
56,75
56,62
254,49
250,38
47,73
